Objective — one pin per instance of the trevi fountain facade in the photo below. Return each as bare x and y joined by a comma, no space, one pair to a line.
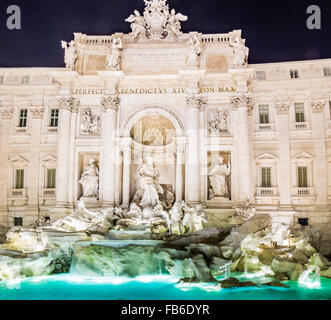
167,137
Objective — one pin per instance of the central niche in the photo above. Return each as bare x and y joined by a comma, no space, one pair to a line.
153,130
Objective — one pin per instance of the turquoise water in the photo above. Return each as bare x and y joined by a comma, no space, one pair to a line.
70,287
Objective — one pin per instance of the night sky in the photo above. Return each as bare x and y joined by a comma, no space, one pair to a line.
275,30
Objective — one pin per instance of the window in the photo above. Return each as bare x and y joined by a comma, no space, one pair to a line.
302,177
294,74
54,120
266,177
264,114
327,72
261,75
1,79
18,221
299,112
19,179
51,178
25,80
23,118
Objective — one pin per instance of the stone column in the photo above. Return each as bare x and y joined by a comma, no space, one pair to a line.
6,116
67,105
110,107
320,165
194,102
34,181
243,104
180,181
126,149
284,183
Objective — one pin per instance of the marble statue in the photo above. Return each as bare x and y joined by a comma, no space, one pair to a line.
240,51
114,58
194,218
193,59
157,23
174,25
70,54
90,181
218,122
176,215
218,180
138,24
90,123
168,198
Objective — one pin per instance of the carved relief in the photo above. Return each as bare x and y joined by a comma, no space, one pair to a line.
157,23
37,113
6,113
243,101
218,122
317,106
90,123
282,108
70,54
196,101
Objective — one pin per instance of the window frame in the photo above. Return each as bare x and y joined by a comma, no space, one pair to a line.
264,114
54,118
294,74
22,119
300,117
50,184
19,185
266,172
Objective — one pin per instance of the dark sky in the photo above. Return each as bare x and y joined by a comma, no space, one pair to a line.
275,29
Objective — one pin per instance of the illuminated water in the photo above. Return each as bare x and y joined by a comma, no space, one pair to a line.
70,287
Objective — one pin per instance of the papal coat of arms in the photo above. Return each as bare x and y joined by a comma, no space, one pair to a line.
157,22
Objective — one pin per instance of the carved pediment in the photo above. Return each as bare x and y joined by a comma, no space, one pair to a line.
266,157
18,160
303,157
49,158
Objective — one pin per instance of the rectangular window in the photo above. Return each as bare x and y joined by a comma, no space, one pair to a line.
19,179
302,177
23,118
54,120
261,75
25,80
327,72
264,114
294,74
299,112
51,178
1,79
266,178
18,221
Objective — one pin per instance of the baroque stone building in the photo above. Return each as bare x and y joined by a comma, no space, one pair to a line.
220,130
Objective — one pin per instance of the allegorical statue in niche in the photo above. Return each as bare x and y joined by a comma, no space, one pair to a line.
114,58
138,24
70,54
218,180
240,51
193,59
90,181
149,176
90,123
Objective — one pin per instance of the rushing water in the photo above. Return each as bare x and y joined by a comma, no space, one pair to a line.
72,287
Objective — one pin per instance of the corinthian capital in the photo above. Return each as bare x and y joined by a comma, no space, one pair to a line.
110,102
196,101
242,101
69,103
317,106
6,113
282,108
37,112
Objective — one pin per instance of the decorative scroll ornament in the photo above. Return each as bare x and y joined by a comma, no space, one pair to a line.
243,101
282,108
38,112
157,23
69,103
110,102
318,106
70,54
90,123
6,113
196,101
218,122
115,56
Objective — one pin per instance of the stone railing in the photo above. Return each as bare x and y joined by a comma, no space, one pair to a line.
17,193
52,130
301,126
49,193
302,192
216,38
22,131
265,127
266,192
